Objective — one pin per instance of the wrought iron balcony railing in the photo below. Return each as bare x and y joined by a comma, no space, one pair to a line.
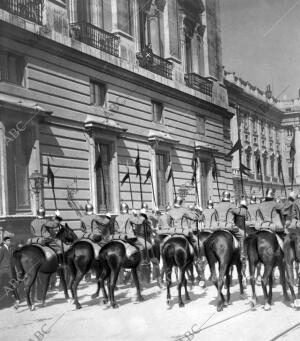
31,10
150,61
199,83
96,37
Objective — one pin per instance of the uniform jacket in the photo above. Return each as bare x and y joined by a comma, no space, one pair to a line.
267,208
252,209
176,214
86,222
101,226
209,216
37,227
225,213
123,223
51,228
139,224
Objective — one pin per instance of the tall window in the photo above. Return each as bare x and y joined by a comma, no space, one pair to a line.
88,11
18,158
204,182
157,111
272,167
125,16
248,160
103,177
188,55
12,68
97,93
290,174
161,167
265,165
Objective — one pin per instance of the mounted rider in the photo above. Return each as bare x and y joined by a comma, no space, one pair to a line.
95,227
122,222
209,215
252,211
225,214
37,226
52,227
289,213
267,208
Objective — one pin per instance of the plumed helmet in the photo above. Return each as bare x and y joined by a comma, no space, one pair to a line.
41,212
58,215
89,208
226,196
192,207
108,215
270,193
178,201
7,235
253,199
124,208
210,203
145,206
243,202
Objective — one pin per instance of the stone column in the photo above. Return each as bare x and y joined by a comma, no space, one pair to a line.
3,172
297,155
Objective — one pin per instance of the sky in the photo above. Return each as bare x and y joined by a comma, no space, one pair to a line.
261,43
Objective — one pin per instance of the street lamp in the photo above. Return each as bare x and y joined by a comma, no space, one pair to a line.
36,184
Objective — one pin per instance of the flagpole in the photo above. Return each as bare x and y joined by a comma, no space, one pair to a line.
293,163
153,193
240,149
282,177
141,191
215,165
130,191
174,188
102,175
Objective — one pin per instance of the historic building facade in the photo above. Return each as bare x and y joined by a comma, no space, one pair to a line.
266,132
80,79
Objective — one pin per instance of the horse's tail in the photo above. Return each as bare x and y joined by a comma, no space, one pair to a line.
17,267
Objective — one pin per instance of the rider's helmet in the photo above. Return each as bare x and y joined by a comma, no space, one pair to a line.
226,196
41,212
253,199
270,194
143,212
58,216
192,207
145,206
178,201
243,202
108,215
292,196
124,208
210,204
89,209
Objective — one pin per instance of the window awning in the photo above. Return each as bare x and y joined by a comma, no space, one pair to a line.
106,124
21,104
204,146
159,136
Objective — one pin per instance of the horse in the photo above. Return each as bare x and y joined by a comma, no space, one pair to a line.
112,257
291,247
220,248
263,247
30,259
177,251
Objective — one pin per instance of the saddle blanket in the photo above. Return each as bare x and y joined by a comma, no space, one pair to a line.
49,253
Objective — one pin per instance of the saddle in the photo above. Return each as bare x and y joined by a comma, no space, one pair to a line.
46,242
48,252
96,247
123,236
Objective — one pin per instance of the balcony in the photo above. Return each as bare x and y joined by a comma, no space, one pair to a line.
150,61
31,10
199,83
95,37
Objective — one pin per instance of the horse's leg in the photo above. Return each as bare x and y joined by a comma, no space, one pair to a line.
252,266
281,267
179,285
187,296
268,268
258,274
45,288
222,270
78,278
105,274
227,279
298,276
289,278
73,271
169,282
98,271
113,281
28,282
137,284
241,276
61,274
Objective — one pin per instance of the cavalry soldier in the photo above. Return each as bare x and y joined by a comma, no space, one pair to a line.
267,208
37,224
101,229
209,214
122,221
252,210
225,213
87,220
289,213
51,229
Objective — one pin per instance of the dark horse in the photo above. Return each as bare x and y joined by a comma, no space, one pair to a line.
30,259
219,248
263,247
112,257
291,249
177,251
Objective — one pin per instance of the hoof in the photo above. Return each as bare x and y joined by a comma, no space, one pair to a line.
105,301
168,302
94,296
187,298
17,304
78,306
43,305
252,303
202,284
181,305
243,296
32,308
297,303
267,307
115,306
70,300
220,308
140,299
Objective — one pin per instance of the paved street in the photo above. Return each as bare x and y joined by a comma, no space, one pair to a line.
150,320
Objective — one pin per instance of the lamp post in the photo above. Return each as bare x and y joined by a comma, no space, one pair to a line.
36,183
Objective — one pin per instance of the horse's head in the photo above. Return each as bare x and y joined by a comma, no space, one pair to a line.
66,234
